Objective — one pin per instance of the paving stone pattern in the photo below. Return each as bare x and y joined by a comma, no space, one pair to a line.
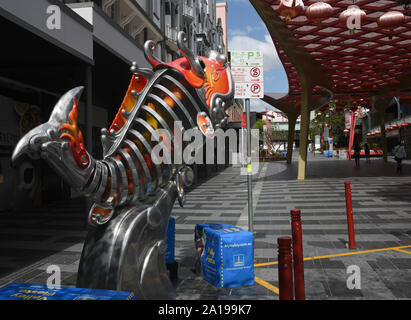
30,241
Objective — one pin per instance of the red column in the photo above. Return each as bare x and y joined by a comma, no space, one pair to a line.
298,260
350,218
285,268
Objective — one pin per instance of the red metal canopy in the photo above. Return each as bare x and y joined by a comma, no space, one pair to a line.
359,63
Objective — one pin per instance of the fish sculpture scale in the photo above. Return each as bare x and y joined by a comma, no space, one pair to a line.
132,193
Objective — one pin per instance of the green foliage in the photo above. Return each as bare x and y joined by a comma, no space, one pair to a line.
336,122
275,133
259,124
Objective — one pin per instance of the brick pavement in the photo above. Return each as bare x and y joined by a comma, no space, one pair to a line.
382,216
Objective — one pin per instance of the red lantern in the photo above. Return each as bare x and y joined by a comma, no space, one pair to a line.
346,131
391,20
318,12
352,18
395,126
404,125
290,8
409,123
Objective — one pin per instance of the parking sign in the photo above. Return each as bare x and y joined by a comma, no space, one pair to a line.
247,70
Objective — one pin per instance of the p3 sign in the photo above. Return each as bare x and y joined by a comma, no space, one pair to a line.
247,70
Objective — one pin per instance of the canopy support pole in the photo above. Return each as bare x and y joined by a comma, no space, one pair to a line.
306,87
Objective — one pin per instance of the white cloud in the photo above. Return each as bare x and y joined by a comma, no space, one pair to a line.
243,42
258,27
246,30
236,32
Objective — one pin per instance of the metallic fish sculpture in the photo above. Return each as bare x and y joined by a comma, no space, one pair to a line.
132,194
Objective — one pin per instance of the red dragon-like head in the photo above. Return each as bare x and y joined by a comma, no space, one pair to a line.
210,76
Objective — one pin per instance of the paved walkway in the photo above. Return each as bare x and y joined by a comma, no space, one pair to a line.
382,215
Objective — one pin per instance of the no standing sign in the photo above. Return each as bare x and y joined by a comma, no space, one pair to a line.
247,70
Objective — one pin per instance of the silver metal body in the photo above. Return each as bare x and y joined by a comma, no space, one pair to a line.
133,196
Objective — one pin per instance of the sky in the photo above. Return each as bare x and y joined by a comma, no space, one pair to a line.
246,31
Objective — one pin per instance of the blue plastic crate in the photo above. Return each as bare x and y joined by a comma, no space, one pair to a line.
228,257
26,291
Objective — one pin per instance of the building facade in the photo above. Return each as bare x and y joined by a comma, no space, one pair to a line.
160,21
56,45
397,123
221,12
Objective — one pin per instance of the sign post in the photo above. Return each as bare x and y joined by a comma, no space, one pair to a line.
247,70
249,170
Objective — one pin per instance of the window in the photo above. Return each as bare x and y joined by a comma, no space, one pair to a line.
167,8
145,32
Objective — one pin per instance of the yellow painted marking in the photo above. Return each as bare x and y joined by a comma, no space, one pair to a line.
249,168
265,264
267,285
405,251
339,255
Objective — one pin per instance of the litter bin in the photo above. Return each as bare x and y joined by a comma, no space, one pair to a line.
228,255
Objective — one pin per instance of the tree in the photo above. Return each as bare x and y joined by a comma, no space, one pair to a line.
275,133
335,121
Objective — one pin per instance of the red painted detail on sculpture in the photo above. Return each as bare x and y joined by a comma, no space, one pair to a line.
75,138
137,84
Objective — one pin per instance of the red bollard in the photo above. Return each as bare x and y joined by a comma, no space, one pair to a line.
350,218
285,268
298,260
